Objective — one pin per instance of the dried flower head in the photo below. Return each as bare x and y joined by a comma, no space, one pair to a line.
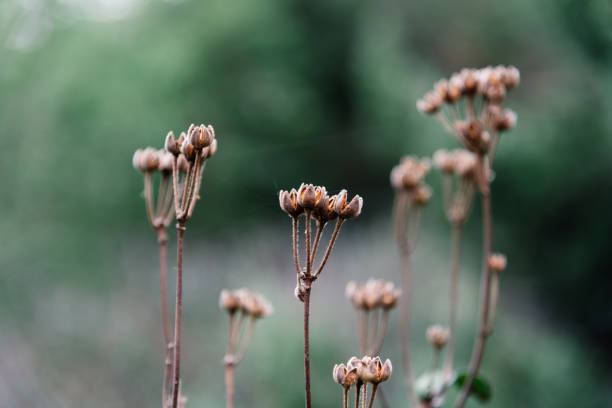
409,173
370,369
307,196
372,294
347,209
430,103
146,160
437,336
249,303
289,203
464,163
497,262
346,378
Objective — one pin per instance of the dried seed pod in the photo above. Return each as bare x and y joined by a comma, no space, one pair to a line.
324,209
497,262
149,159
172,145
390,296
409,173
210,150
511,77
430,103
470,81
136,159
289,202
377,372
437,336
228,301
306,196
188,150
343,376
464,163
505,120
200,137
345,210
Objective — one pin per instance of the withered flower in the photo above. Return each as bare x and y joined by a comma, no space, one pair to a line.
443,160
377,372
289,203
343,376
347,210
307,196
409,173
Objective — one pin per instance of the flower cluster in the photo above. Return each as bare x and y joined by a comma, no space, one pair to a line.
375,293
361,372
313,202
477,131
323,208
243,300
190,150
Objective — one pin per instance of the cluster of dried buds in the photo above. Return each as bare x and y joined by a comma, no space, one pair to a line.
372,301
458,169
151,161
241,304
409,175
485,88
189,152
313,202
359,373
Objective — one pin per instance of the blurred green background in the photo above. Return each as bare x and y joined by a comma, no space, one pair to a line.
322,92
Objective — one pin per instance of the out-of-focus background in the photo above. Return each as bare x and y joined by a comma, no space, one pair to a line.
322,92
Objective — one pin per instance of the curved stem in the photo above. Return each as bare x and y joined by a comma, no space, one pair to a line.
306,343
357,394
479,345
453,297
345,397
320,227
330,246
178,314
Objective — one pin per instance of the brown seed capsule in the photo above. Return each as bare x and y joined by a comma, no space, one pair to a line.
348,210
511,77
437,336
346,378
210,150
497,262
324,209
390,296
470,81
289,203
149,159
430,103
505,120
172,145
464,163
306,196
200,137
188,150
376,372
228,301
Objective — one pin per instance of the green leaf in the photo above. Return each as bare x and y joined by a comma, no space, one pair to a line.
481,388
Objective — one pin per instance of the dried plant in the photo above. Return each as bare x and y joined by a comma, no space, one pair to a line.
159,214
469,106
313,203
190,150
411,194
359,373
240,305
372,301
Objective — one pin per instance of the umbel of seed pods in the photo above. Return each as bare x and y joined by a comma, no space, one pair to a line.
359,373
372,301
313,203
469,105
194,147
240,305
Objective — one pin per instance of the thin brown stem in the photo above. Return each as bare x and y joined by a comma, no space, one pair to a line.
148,196
330,246
245,340
453,297
175,185
362,317
481,336
308,242
315,245
162,239
306,342
345,391
365,395
296,258
374,333
374,388
195,196
178,314
229,385
357,394
469,108
186,187
494,300
161,195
